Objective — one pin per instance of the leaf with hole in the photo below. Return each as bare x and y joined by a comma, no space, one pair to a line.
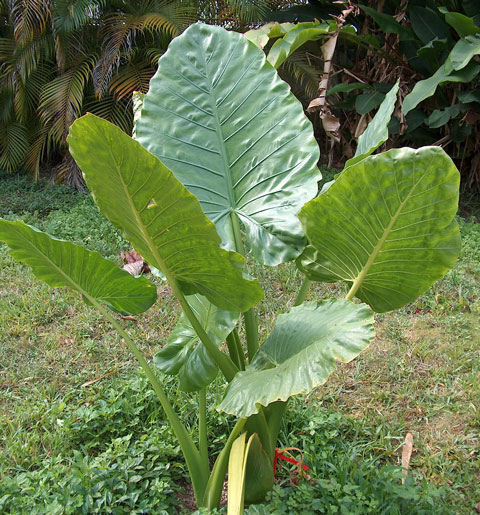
161,219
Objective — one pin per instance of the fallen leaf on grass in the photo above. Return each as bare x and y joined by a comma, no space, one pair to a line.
88,383
406,455
134,263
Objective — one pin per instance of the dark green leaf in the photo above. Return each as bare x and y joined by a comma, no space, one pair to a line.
388,23
469,96
346,88
463,25
367,101
428,24
440,117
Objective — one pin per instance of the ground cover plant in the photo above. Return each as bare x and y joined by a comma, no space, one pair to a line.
415,168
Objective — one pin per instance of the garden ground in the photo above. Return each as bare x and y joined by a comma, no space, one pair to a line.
81,431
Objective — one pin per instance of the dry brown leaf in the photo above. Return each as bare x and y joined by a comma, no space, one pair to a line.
407,454
88,383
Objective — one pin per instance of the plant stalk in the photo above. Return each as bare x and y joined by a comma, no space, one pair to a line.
202,429
302,293
189,450
226,365
251,327
238,343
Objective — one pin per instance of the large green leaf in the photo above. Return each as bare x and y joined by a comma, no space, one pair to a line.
388,23
221,119
155,212
300,354
458,59
273,29
61,263
295,38
428,24
184,355
386,225
377,131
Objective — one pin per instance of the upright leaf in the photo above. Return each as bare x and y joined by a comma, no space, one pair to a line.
155,212
61,263
229,128
386,226
377,131
300,354
183,354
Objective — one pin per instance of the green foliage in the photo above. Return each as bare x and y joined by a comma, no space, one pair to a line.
165,223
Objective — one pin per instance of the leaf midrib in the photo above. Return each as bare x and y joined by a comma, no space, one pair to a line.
357,283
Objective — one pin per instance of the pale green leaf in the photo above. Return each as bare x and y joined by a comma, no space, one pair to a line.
377,131
386,226
300,354
294,39
156,213
61,263
229,128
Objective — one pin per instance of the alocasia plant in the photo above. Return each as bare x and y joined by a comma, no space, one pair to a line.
225,160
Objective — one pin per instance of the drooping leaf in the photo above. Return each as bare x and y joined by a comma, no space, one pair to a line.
377,131
469,96
463,25
440,117
386,225
230,129
184,355
300,354
458,59
61,263
261,36
295,38
155,212
388,23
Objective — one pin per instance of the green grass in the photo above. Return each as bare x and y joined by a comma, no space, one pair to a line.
105,447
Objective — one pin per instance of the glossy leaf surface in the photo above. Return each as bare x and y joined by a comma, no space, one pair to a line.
184,355
300,354
155,212
221,119
61,263
386,225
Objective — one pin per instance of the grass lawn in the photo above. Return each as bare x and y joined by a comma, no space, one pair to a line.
81,430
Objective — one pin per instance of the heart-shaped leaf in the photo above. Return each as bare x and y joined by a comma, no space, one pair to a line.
386,226
61,263
155,212
184,355
300,354
218,115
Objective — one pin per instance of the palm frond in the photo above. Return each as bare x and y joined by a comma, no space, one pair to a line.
13,146
133,77
121,30
61,99
30,19
302,75
115,111
70,15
